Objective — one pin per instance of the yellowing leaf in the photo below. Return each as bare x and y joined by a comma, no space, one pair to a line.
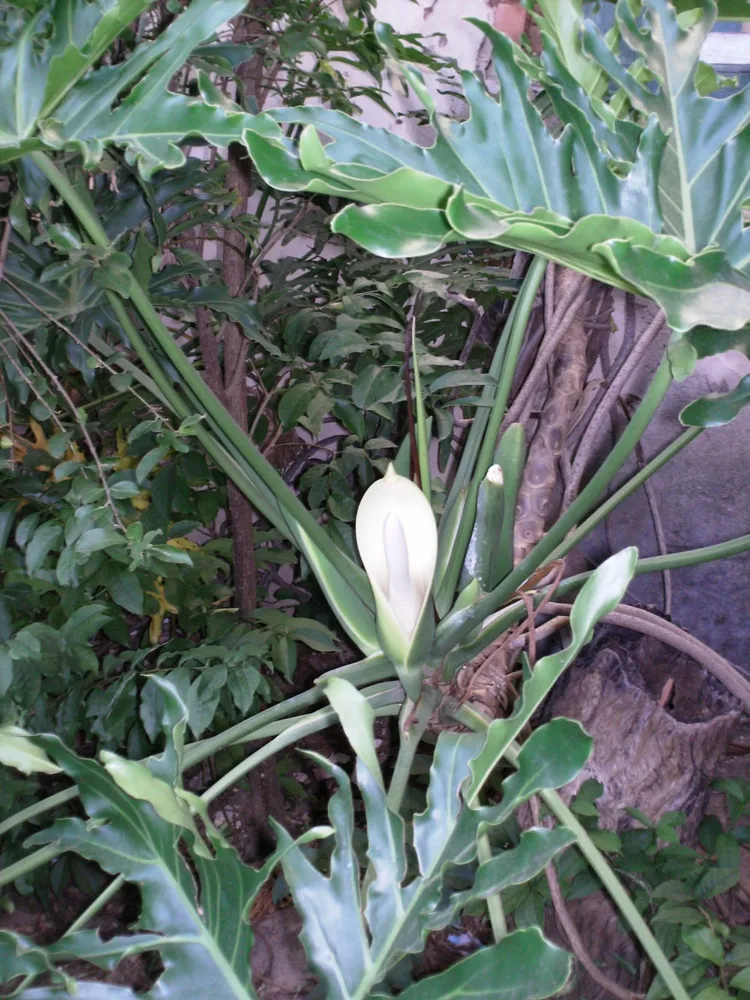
157,619
141,501
184,543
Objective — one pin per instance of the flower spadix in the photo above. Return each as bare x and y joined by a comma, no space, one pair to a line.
397,541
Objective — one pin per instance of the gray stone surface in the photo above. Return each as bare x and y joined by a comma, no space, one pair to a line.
703,497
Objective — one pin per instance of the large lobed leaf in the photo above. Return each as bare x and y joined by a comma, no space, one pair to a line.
385,919
195,899
63,102
652,206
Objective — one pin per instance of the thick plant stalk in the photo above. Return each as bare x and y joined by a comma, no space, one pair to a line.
517,323
537,492
411,726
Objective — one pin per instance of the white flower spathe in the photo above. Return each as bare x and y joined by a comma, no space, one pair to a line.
397,541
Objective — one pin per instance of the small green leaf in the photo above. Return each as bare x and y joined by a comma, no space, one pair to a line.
203,698
125,589
98,538
171,554
741,981
6,672
606,840
717,409
149,462
124,490
243,683
19,217
45,539
85,622
294,403
357,718
705,943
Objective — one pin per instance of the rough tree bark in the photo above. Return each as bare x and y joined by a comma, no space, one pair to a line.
541,474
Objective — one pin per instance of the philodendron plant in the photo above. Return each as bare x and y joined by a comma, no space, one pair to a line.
639,183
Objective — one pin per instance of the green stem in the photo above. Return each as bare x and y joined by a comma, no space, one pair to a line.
494,903
411,725
93,908
423,444
615,888
624,492
385,701
517,323
369,671
470,450
38,809
675,560
207,401
28,864
459,624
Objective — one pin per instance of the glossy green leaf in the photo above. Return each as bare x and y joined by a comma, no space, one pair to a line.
536,848
125,589
64,103
45,539
600,595
82,34
21,76
523,966
200,908
704,942
653,207
705,342
741,981
703,178
18,750
719,408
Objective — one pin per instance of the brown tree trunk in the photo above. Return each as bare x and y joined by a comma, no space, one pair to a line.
229,380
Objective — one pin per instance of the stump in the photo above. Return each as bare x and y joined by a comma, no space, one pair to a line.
653,757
